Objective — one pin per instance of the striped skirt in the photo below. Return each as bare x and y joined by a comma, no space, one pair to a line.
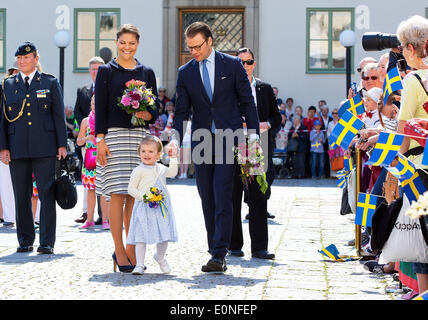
123,145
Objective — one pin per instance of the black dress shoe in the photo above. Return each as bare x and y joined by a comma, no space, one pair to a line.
45,249
82,219
263,254
24,249
99,221
270,216
215,265
236,253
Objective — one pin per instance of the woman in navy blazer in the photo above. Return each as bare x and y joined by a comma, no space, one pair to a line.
117,139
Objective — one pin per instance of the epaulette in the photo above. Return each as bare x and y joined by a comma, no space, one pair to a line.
48,74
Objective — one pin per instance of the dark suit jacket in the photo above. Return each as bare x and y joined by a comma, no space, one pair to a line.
268,111
83,103
40,130
232,97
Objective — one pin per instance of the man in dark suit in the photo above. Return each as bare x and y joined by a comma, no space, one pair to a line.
270,120
85,93
81,111
216,88
32,136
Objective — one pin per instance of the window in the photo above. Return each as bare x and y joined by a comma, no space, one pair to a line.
324,53
2,40
94,34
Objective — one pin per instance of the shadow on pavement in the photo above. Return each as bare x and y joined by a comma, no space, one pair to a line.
21,258
201,281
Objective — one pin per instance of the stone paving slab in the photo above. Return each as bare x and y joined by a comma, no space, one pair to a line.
307,217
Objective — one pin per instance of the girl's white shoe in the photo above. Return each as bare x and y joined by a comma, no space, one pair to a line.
164,266
138,270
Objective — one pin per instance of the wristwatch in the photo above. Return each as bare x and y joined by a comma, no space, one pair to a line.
97,140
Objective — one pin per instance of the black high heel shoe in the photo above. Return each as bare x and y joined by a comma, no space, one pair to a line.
125,269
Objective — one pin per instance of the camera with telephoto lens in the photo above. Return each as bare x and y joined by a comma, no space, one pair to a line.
377,41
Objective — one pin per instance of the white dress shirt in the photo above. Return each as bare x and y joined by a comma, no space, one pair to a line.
30,76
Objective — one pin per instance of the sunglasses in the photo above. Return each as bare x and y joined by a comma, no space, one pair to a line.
335,113
368,78
249,62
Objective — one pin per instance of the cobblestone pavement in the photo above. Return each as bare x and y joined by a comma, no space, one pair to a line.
307,217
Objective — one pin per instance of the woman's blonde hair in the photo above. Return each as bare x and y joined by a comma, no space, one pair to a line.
414,31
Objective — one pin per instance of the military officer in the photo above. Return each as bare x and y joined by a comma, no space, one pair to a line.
32,135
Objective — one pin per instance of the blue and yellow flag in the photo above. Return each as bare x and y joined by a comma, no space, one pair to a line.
386,148
404,170
392,83
422,296
413,187
331,252
348,164
345,130
366,207
341,182
354,105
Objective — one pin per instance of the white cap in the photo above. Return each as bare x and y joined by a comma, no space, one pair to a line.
374,94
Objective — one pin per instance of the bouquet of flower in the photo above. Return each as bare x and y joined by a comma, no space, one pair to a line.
249,157
419,208
153,197
136,97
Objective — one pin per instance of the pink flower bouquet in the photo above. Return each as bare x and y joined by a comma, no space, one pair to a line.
249,157
136,97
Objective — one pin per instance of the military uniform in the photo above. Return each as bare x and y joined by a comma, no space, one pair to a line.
32,128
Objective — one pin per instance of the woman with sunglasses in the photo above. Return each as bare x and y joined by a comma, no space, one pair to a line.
371,76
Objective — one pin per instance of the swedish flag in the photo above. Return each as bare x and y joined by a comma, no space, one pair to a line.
413,187
392,83
348,163
331,252
341,173
366,207
345,130
404,170
386,148
422,296
354,105
341,182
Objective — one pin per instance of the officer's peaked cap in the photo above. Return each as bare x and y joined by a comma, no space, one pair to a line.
25,49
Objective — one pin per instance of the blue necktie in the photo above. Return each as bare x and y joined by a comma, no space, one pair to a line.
206,78
207,85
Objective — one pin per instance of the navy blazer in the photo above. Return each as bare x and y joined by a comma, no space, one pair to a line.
40,130
232,98
109,87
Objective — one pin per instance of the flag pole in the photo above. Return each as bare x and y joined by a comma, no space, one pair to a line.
357,191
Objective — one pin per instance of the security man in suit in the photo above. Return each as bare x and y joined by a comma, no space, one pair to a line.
270,120
32,136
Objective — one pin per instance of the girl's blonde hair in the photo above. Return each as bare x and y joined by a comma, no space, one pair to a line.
147,139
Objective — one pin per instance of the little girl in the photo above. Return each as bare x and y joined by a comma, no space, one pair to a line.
150,223
86,138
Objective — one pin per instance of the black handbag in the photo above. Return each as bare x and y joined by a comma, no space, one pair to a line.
345,208
383,222
65,186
